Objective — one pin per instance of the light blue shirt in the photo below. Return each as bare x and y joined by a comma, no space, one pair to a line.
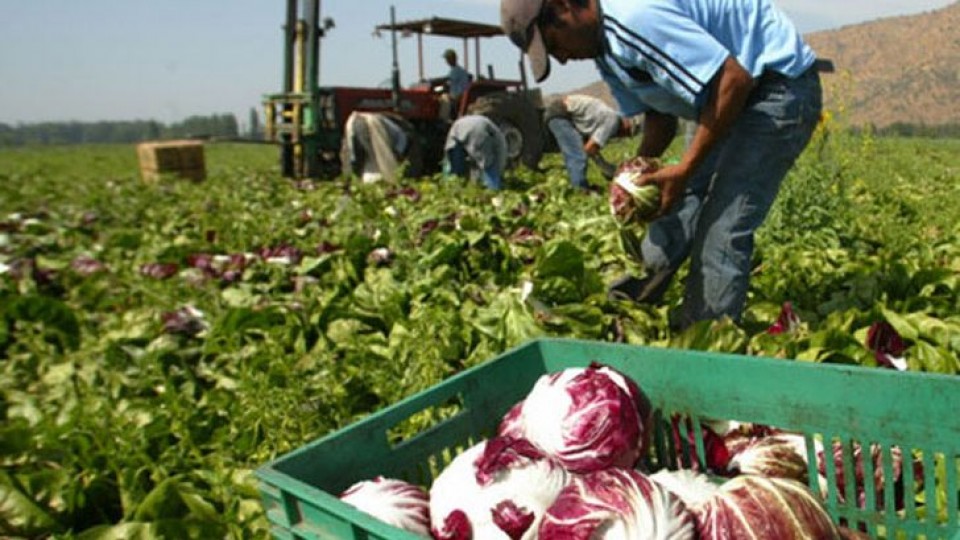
662,54
459,81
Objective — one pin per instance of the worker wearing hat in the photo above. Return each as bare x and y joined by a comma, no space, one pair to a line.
458,78
742,72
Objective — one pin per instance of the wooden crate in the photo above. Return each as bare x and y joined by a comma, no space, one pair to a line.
180,158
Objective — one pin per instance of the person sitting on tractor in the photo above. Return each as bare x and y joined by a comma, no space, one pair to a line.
374,144
458,79
476,147
575,117
457,82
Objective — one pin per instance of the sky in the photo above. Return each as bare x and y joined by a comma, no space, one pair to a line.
90,60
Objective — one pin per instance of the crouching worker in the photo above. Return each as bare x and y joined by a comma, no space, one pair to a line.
582,125
375,144
476,147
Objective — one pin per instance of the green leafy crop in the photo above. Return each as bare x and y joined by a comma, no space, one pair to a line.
160,341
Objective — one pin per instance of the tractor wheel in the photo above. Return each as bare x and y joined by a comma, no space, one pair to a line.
520,122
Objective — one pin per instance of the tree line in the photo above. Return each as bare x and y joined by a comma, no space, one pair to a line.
226,126
125,131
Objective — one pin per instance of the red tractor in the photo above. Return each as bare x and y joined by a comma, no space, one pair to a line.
307,119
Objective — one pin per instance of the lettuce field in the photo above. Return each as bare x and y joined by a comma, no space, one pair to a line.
160,341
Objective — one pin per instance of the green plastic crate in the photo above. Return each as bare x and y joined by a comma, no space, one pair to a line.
918,412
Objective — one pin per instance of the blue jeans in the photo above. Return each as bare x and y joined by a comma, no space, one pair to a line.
460,165
728,197
571,145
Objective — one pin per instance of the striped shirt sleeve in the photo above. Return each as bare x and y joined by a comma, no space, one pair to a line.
628,102
664,41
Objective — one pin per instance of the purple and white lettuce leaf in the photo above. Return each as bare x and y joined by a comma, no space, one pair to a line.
756,507
630,202
395,502
616,504
498,489
586,418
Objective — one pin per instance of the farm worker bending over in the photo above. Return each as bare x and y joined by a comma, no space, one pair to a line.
740,69
374,144
475,147
570,119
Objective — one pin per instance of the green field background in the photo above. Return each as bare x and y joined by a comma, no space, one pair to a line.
117,423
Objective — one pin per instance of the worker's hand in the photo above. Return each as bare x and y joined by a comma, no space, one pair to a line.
671,179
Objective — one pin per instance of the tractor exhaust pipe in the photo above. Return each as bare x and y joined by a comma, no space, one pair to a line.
289,44
287,158
395,72
313,45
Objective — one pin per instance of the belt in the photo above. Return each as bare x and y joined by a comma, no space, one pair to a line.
820,65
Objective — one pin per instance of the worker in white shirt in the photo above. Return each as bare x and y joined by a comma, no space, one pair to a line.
582,125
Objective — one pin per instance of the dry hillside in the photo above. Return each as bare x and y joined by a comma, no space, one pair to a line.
898,69
901,69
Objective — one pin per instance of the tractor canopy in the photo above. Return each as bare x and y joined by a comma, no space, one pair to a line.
452,28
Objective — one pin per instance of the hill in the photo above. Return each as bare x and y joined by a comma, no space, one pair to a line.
900,69
894,70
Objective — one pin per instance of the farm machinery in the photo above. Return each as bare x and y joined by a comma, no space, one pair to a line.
307,120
